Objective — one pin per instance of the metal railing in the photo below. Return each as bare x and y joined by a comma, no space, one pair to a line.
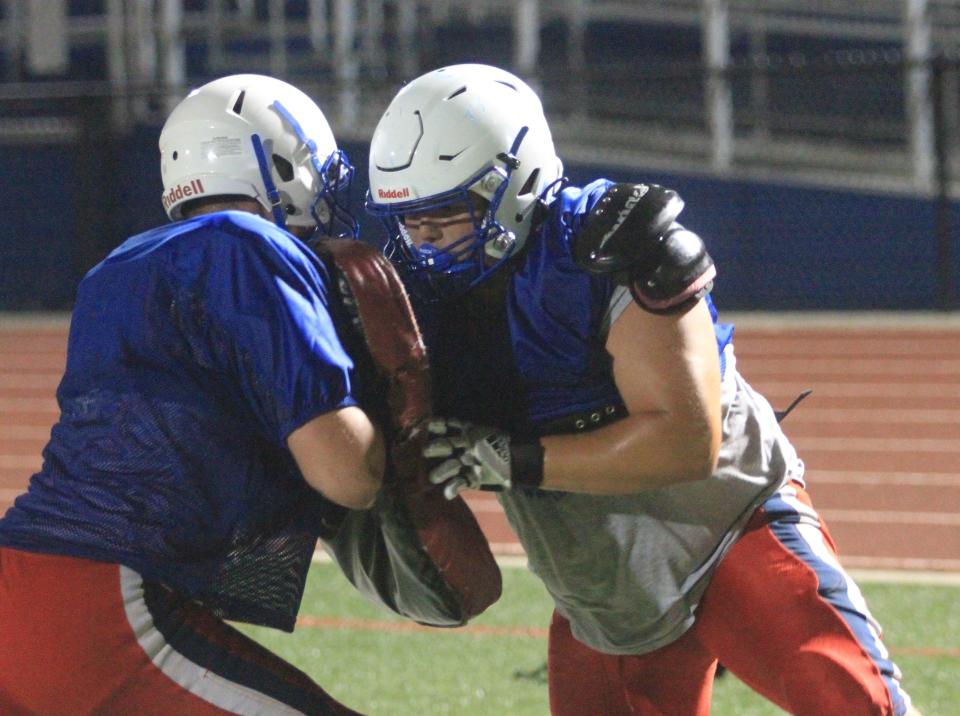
827,91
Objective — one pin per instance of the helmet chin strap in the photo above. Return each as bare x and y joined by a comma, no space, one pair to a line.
273,194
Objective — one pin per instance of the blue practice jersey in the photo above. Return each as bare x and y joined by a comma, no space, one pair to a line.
195,349
543,350
559,315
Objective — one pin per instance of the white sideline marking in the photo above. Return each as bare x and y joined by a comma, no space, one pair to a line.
788,320
932,368
22,379
907,565
29,405
903,576
903,517
756,348
10,320
913,479
878,445
881,416
849,320
879,389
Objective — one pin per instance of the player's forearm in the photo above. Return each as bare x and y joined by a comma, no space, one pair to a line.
641,452
646,450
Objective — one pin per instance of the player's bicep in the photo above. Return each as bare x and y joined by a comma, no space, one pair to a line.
341,455
668,364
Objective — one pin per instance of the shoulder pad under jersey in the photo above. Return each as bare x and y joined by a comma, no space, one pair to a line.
624,226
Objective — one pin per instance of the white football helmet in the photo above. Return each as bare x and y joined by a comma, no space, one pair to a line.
259,137
459,129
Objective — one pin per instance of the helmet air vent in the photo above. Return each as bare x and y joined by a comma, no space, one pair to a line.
238,105
450,157
457,93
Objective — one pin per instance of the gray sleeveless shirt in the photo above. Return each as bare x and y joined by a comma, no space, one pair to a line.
628,571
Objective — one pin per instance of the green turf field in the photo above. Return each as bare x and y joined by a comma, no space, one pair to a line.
380,665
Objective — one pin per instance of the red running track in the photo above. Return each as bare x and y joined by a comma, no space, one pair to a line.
880,435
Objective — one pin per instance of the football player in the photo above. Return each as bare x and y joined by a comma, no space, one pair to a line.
210,432
584,376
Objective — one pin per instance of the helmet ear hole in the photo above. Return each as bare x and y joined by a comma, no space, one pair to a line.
530,183
284,168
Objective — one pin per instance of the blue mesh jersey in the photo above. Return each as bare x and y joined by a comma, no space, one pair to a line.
558,315
195,349
553,326
627,571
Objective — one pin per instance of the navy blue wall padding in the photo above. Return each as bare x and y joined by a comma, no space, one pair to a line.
37,218
777,247
781,247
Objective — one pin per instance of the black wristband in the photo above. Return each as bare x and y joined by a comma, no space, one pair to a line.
526,462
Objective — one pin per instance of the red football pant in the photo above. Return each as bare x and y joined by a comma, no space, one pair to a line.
82,637
779,613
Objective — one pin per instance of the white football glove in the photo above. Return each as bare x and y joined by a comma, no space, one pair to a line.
478,457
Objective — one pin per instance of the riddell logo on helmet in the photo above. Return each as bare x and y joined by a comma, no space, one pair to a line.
393,193
182,191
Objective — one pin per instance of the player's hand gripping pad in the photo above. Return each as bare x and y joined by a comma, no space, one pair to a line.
414,551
